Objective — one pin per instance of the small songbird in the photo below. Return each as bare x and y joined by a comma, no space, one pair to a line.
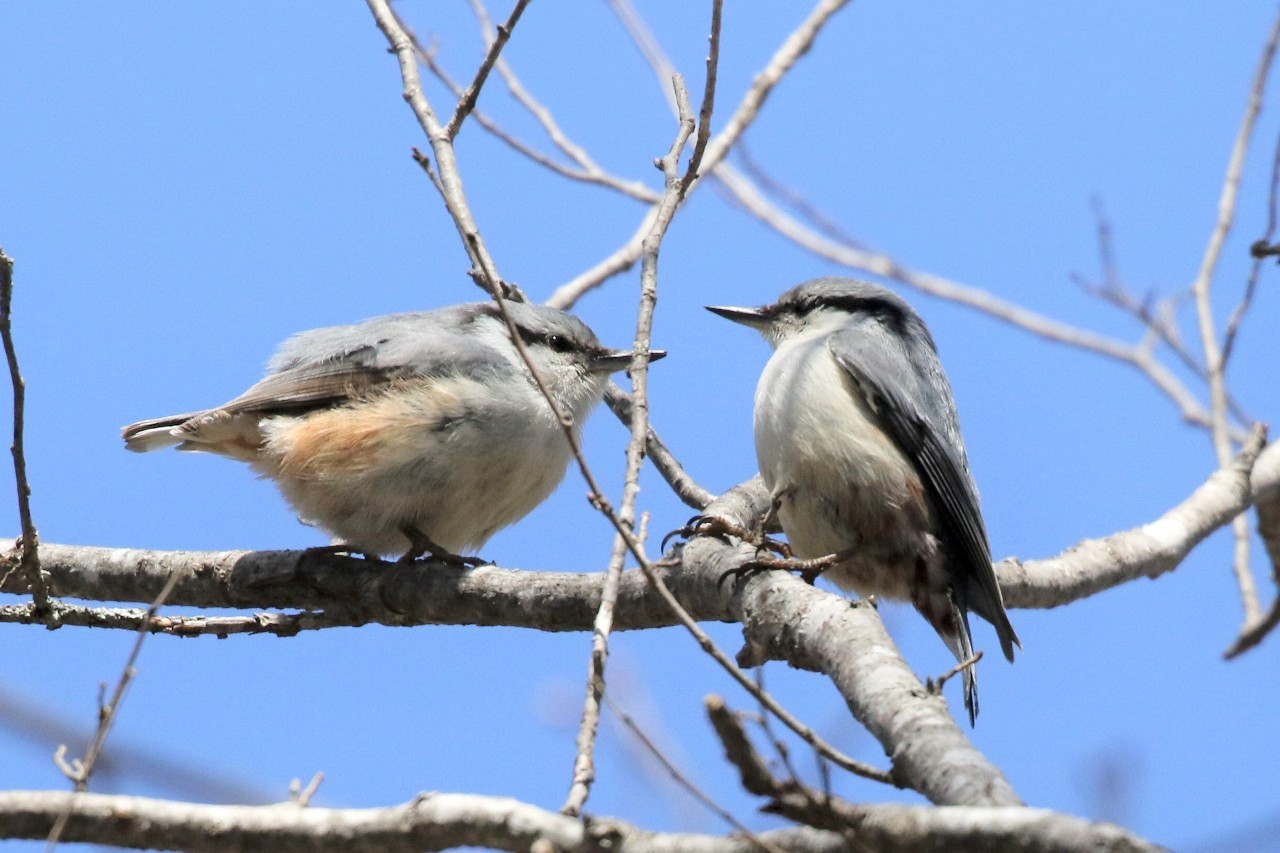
859,444
410,434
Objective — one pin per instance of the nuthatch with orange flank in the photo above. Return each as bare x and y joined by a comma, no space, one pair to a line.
859,444
420,433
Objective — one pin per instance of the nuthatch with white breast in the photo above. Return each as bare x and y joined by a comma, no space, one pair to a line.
859,445
410,434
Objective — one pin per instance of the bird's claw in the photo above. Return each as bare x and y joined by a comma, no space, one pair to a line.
707,525
457,560
806,569
420,545
711,525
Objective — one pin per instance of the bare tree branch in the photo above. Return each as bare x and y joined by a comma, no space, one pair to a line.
862,260
1260,252
467,101
449,180
796,45
584,764
682,780
135,619
430,822
708,99
782,617
29,544
912,828
80,770
1213,360
354,591
1146,551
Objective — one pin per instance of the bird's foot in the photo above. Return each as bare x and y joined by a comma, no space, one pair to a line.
808,570
420,545
338,549
711,525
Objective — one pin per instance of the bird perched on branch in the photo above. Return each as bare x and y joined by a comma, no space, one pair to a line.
859,444
410,434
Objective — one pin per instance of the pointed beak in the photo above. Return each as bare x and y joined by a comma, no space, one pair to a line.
756,318
611,360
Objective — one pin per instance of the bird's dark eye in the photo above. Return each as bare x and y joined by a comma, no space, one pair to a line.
559,343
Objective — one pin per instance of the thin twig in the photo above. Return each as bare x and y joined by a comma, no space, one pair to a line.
796,45
584,766
684,781
449,179
708,98
792,199
467,102
1137,356
301,796
591,174
80,770
29,559
793,48
1204,314
136,619
941,681
684,486
1255,273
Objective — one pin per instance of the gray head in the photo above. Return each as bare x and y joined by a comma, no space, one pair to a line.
823,305
567,354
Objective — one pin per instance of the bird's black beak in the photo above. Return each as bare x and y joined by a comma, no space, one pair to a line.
756,318
611,360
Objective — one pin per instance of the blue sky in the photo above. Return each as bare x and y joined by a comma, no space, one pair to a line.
184,185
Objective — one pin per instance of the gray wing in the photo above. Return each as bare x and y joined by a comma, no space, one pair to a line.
925,428
325,367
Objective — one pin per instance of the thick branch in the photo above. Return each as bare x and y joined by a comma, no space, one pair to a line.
784,618
431,822
352,591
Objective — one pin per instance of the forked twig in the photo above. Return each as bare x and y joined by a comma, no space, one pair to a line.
1200,288
467,101
80,770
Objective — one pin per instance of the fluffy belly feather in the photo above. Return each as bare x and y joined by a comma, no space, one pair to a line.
840,482
422,459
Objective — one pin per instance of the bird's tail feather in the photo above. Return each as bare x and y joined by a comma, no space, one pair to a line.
145,436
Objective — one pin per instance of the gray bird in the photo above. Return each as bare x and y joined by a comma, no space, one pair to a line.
409,434
859,444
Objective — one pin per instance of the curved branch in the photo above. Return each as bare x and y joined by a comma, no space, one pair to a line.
1146,551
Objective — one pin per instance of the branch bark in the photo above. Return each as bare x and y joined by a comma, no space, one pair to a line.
352,591
430,822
